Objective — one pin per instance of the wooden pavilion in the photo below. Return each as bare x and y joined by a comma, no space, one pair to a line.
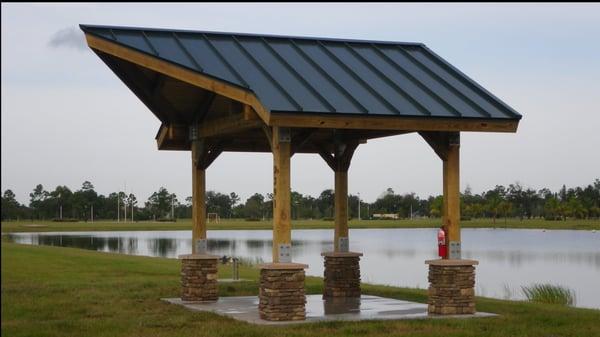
216,92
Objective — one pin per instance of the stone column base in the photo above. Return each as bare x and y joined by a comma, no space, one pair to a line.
282,296
451,287
199,277
342,274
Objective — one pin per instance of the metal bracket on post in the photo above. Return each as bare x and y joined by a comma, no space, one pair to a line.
285,253
454,139
285,135
454,253
193,135
201,246
343,244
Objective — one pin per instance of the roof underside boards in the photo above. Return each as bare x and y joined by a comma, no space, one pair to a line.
322,76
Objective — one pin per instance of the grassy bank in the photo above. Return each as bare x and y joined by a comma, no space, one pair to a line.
186,224
51,291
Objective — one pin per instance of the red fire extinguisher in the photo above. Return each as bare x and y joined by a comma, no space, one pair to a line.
442,249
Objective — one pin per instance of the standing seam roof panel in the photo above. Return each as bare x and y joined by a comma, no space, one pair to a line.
278,70
414,87
437,86
320,75
455,81
167,47
403,87
312,74
346,80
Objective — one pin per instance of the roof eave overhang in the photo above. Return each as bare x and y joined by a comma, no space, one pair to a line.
183,74
287,119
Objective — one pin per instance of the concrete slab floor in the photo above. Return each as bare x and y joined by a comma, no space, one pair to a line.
245,308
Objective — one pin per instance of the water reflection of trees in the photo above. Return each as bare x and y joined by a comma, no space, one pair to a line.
162,247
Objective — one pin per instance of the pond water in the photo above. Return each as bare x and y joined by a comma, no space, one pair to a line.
508,259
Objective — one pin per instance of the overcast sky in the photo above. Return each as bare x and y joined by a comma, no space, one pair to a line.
67,118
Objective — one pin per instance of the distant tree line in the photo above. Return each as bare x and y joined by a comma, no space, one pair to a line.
513,201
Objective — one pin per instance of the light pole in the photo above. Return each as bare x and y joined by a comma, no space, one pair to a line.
172,206
358,205
118,206
60,206
125,203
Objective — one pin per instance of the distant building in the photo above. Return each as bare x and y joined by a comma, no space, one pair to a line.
391,216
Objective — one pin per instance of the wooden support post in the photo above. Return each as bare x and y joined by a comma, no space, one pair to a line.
282,226
340,163
198,209
452,195
341,211
445,197
447,146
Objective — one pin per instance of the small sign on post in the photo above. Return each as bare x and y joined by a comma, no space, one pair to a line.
285,254
343,244
454,253
201,246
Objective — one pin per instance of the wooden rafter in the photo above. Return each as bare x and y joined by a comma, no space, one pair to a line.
340,160
204,107
438,141
301,140
169,133
225,125
192,77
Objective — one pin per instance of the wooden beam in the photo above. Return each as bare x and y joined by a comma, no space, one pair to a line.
282,228
391,123
199,152
204,108
269,134
224,125
210,157
344,159
158,85
302,139
249,113
438,142
169,134
163,133
189,76
328,158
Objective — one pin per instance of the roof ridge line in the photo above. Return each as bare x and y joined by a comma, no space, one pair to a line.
312,38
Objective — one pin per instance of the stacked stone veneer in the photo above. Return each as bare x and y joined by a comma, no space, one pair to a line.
342,274
282,296
199,277
451,287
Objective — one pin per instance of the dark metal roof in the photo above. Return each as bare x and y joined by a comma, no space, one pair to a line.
319,75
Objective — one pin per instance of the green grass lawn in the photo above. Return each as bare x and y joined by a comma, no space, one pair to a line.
52,291
186,224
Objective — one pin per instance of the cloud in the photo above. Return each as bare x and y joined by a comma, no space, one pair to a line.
70,37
